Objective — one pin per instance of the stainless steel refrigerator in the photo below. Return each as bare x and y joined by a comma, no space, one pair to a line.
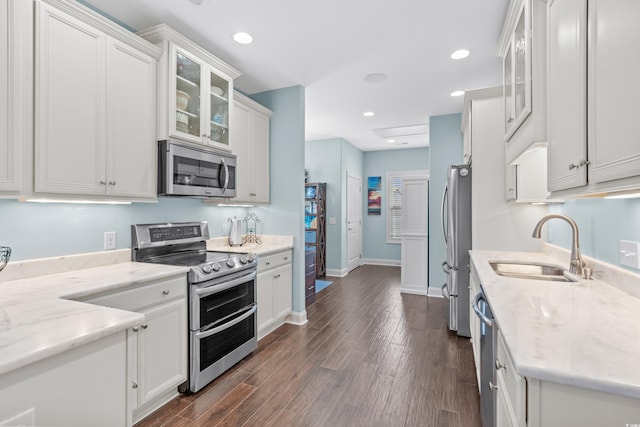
456,228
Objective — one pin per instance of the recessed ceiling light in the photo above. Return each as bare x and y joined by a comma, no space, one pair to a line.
243,38
459,54
369,114
196,2
457,93
391,140
375,77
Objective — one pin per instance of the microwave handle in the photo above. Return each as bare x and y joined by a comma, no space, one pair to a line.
226,175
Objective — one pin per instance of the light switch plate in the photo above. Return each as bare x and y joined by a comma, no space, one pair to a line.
109,240
332,220
629,253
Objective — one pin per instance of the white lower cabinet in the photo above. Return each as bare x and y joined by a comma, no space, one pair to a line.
274,289
84,386
528,402
157,349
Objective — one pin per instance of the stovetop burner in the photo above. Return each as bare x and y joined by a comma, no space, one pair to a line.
178,244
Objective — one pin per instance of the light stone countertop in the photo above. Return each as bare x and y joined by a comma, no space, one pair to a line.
38,319
270,244
584,334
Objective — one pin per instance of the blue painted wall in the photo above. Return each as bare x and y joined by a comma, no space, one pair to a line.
446,148
329,160
374,227
602,224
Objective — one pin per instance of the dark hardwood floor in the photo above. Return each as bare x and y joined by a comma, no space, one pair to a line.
369,356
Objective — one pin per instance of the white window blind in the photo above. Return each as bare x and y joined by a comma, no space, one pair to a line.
394,228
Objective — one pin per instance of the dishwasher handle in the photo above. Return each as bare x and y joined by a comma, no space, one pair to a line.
474,304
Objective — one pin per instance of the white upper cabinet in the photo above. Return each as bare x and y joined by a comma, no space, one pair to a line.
522,48
251,146
195,91
15,95
593,146
95,106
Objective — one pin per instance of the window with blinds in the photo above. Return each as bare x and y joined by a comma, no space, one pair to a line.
394,213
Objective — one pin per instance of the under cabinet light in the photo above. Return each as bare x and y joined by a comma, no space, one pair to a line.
76,201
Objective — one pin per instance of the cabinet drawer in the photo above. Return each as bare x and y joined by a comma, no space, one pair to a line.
145,295
267,262
514,383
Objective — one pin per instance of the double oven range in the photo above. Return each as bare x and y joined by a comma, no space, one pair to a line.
222,295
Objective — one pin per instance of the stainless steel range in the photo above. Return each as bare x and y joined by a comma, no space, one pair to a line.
222,295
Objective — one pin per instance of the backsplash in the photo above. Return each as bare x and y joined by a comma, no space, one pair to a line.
602,224
36,230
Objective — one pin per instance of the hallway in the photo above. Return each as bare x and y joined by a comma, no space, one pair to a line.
369,356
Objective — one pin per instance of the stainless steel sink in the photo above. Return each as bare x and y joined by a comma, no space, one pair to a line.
531,271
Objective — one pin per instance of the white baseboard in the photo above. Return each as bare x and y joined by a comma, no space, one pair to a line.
435,292
414,291
337,273
388,262
298,318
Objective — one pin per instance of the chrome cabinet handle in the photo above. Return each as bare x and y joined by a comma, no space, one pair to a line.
500,365
135,329
573,166
479,313
134,384
584,162
112,183
165,292
492,386
144,326
103,183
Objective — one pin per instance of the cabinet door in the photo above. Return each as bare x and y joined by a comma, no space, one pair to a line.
566,62
614,147
282,284
185,94
242,149
260,156
10,158
264,289
511,187
69,114
507,87
218,94
131,122
162,349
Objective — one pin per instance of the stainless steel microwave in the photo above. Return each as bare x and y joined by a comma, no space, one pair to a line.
188,170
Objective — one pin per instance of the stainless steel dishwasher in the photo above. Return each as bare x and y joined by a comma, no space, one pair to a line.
487,357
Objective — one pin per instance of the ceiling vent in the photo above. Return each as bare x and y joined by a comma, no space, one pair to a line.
402,135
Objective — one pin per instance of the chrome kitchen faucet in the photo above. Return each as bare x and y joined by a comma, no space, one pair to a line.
577,263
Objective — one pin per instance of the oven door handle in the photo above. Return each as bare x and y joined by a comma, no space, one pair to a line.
209,290
201,335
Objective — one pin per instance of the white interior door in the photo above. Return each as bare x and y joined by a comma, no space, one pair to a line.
354,221
415,236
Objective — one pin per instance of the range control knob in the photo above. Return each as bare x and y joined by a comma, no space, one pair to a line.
231,263
251,257
207,268
243,259
215,266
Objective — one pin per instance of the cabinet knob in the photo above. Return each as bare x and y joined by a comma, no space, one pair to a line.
112,183
165,292
573,166
267,263
134,384
103,183
252,194
492,386
584,162
286,258
511,120
144,326
500,365
135,329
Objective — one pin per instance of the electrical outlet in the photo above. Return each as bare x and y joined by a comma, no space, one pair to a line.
109,240
629,253
332,220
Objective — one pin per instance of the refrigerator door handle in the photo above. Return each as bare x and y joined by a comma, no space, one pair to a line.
445,267
445,292
442,213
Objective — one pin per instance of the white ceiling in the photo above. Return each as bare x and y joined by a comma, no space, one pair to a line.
329,47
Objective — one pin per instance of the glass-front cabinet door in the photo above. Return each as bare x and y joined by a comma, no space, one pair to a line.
517,73
201,99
